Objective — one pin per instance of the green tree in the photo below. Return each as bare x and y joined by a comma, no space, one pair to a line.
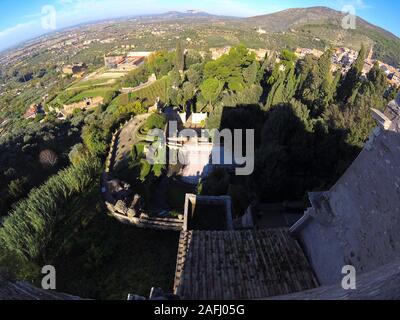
180,57
77,154
195,74
211,89
94,139
17,187
229,68
250,73
189,91
266,67
192,57
160,63
316,84
350,83
176,78
283,81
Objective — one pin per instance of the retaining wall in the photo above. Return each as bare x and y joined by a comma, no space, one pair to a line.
143,220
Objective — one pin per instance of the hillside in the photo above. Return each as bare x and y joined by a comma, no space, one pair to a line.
314,27
290,18
321,24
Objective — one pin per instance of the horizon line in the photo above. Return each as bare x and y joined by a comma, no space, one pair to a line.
95,21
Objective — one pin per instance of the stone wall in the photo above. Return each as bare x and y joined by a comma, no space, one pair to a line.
357,221
87,103
145,221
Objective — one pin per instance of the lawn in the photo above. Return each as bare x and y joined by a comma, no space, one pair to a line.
78,92
102,92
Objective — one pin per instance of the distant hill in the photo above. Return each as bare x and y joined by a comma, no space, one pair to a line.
290,18
325,24
314,27
189,14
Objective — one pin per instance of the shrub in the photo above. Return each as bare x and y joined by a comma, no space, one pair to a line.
155,121
77,154
145,169
29,231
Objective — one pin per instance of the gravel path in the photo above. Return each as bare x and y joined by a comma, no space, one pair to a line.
127,138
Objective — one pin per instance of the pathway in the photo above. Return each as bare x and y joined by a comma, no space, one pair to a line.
126,139
139,87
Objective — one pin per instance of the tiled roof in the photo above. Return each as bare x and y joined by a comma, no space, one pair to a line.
240,265
24,291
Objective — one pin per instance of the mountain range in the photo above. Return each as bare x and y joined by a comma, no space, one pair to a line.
319,27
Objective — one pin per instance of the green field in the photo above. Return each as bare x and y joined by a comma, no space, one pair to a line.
102,92
85,84
73,96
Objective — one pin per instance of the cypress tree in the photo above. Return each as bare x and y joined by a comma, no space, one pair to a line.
180,57
351,80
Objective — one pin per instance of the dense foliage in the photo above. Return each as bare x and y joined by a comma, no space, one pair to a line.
310,122
49,209
22,166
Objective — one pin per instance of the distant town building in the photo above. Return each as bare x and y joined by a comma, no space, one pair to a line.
109,40
261,31
71,42
86,104
260,53
394,79
76,70
302,52
112,61
33,111
217,53
343,59
125,62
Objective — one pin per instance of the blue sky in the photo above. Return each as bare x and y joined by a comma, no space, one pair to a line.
21,20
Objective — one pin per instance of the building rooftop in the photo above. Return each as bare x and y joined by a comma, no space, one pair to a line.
23,291
240,265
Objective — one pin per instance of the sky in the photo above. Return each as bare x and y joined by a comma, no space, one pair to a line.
21,20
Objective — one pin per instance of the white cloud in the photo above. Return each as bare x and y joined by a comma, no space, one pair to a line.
18,33
21,27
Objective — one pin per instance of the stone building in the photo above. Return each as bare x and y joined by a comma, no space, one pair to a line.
33,111
85,104
76,70
357,221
